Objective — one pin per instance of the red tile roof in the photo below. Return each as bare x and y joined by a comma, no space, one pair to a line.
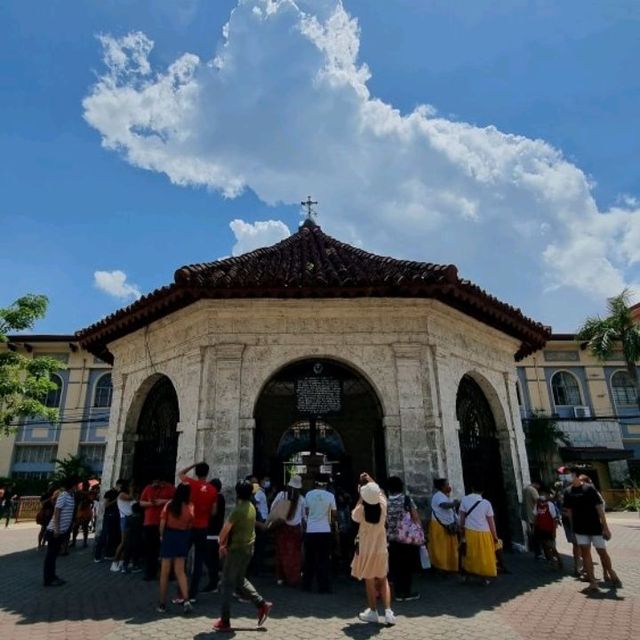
311,264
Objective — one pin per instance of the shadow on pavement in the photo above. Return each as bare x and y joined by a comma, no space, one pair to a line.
93,593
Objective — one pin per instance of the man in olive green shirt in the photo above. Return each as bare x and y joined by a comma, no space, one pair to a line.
236,548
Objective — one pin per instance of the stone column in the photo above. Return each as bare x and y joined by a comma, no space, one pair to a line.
410,370
447,380
189,390
117,416
218,437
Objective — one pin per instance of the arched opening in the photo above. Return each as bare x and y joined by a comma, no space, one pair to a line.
324,408
156,441
482,463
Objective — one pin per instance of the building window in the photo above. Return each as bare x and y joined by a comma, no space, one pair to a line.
104,391
566,390
35,454
518,394
93,456
55,395
624,391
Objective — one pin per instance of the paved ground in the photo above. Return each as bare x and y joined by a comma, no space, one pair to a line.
532,603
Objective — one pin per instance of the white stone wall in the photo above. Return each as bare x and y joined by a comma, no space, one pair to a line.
219,354
597,433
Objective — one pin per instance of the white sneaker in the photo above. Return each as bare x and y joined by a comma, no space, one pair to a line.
368,615
115,566
389,617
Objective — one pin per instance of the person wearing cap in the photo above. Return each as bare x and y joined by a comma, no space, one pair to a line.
288,535
371,559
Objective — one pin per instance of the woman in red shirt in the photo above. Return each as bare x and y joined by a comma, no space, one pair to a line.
175,535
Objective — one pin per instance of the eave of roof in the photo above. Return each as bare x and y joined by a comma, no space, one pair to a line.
310,264
41,337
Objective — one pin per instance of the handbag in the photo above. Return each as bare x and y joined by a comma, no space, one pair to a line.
278,514
425,561
452,528
408,531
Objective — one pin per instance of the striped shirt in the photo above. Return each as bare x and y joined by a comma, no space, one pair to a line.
66,505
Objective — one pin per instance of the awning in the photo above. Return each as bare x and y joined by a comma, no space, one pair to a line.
593,454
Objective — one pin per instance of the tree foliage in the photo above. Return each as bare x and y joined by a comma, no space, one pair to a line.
618,329
72,467
24,381
543,437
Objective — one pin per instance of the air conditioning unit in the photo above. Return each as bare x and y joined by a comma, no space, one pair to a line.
581,412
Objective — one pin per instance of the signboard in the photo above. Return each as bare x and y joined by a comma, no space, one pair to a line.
318,395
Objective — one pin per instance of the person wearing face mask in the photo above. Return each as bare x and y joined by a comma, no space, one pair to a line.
545,523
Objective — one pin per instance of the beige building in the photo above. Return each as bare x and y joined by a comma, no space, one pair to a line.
594,403
313,352
83,397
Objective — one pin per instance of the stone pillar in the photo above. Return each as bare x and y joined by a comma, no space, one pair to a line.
447,380
117,418
218,436
515,462
410,370
393,445
189,390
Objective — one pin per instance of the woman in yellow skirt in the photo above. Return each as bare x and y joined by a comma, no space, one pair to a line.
443,544
479,530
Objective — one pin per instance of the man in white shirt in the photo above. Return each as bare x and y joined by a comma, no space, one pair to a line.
320,513
57,530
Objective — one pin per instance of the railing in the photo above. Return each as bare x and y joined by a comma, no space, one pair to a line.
616,498
28,507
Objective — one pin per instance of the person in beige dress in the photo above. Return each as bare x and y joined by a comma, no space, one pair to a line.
371,560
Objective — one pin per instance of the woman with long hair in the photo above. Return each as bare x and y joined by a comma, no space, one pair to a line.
288,534
371,559
176,521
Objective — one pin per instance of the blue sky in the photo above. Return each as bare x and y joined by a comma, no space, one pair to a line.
548,221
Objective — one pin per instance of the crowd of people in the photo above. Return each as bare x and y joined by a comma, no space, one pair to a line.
376,535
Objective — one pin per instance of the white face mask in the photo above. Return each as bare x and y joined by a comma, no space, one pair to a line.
266,484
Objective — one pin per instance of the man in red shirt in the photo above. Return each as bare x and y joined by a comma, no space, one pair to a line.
204,498
153,499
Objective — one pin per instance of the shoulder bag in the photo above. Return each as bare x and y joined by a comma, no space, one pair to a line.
408,531
463,542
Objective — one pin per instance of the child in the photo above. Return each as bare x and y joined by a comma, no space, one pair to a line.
545,523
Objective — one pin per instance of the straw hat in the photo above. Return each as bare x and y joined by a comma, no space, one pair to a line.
295,482
370,493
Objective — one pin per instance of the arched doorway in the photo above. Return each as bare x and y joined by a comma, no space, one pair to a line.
480,450
156,445
346,429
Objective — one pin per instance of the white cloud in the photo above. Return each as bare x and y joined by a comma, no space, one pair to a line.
115,284
284,109
250,236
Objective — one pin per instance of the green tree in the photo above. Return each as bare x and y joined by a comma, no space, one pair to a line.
618,329
72,467
543,437
24,381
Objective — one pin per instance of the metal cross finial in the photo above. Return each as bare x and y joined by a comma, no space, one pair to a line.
308,204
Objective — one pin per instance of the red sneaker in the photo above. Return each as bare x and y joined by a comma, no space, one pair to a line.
222,625
263,612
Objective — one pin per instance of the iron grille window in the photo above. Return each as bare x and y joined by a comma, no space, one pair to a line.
566,390
624,391
104,392
35,454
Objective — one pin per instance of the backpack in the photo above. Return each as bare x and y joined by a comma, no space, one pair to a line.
544,521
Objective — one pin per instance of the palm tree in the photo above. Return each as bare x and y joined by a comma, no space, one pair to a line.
603,335
542,438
